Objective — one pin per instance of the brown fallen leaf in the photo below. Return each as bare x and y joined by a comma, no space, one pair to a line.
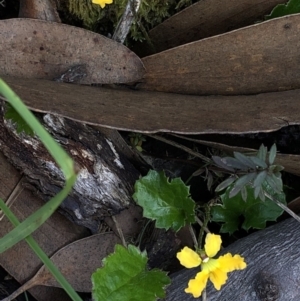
77,261
205,19
255,59
39,49
19,261
150,112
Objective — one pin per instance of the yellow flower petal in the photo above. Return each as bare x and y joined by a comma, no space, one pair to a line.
218,277
102,3
212,244
188,258
197,285
229,263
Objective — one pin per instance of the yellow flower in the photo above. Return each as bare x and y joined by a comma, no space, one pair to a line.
214,269
102,3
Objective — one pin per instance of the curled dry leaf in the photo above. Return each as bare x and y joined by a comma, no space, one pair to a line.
41,49
77,261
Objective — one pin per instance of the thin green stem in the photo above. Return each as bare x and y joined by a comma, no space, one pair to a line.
193,236
204,226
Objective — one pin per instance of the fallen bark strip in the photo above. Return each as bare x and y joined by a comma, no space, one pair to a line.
106,179
150,112
273,260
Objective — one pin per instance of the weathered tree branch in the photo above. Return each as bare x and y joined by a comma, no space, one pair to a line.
272,273
105,182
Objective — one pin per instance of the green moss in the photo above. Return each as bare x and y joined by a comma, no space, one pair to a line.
86,11
151,13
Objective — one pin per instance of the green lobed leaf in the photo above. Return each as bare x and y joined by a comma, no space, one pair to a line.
254,213
292,7
124,276
169,203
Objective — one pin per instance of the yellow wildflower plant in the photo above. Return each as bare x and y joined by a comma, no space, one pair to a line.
214,269
102,3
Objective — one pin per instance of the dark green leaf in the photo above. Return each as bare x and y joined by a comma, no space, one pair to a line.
276,169
258,162
260,178
244,193
257,191
210,180
255,212
261,195
245,160
169,203
124,276
234,163
274,182
20,123
292,7
270,181
230,219
219,162
272,154
240,183
278,182
225,184
262,153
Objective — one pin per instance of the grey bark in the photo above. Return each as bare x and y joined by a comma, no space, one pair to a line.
105,183
272,273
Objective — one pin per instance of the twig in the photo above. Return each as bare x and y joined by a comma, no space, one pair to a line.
126,21
193,236
186,149
204,295
201,224
285,208
13,196
119,231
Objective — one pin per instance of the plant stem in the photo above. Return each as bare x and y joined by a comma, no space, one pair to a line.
193,236
204,226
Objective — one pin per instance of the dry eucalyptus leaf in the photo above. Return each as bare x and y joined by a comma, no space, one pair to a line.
129,221
255,59
41,49
19,261
207,18
77,261
150,112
